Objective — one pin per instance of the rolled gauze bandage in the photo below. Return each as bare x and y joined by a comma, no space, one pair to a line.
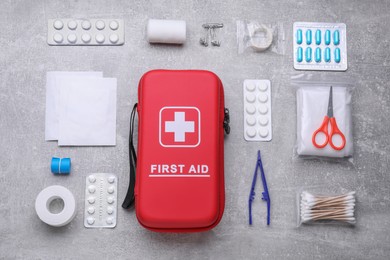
166,31
46,196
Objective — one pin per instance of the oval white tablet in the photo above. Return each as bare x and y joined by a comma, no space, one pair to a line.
86,38
250,98
114,38
58,25
99,38
251,132
263,97
263,109
263,132
58,38
250,86
250,109
100,25
263,86
251,120
263,120
114,25
86,25
72,25
72,38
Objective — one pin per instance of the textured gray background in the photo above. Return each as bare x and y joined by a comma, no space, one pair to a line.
25,156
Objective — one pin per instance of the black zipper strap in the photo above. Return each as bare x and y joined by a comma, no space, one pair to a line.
129,200
226,121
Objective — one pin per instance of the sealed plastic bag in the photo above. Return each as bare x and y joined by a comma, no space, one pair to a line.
258,37
316,206
324,120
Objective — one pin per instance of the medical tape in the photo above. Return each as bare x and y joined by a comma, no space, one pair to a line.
262,45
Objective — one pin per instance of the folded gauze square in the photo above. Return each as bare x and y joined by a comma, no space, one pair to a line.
312,107
88,112
53,97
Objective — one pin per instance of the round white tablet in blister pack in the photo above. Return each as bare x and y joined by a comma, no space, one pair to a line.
257,110
100,200
99,32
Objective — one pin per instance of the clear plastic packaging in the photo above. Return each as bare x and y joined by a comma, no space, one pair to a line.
315,95
314,207
257,37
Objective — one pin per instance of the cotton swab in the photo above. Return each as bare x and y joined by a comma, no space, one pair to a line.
339,208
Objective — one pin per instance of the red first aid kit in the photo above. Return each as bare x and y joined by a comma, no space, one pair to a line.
179,173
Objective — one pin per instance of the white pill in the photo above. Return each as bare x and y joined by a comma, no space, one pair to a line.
251,132
72,38
114,38
91,200
263,97
263,132
263,86
111,189
58,25
111,179
100,25
91,189
86,25
72,25
251,120
250,98
100,38
263,109
263,120
110,210
91,178
90,220
91,210
109,220
250,109
250,86
114,25
86,38
58,38
110,200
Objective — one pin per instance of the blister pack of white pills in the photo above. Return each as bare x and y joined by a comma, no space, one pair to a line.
85,32
101,192
257,110
320,46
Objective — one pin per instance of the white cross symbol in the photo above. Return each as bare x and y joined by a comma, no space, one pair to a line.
180,127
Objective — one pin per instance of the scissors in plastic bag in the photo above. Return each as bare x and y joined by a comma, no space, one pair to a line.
334,131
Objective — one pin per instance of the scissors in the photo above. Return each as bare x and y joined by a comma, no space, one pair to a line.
333,131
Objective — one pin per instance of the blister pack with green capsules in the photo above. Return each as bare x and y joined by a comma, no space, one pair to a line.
320,46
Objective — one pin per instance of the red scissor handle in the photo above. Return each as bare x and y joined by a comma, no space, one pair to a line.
336,131
324,130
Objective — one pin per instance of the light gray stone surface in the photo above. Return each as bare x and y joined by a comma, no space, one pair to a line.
25,156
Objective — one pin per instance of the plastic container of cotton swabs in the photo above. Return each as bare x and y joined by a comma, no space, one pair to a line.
314,208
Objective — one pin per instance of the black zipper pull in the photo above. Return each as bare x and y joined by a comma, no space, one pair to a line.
226,121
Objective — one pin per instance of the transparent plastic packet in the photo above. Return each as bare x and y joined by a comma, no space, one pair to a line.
258,37
324,117
322,206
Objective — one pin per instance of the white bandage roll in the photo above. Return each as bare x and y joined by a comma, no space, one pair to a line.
46,196
166,31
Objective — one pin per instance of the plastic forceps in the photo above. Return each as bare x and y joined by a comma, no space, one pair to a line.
334,131
259,165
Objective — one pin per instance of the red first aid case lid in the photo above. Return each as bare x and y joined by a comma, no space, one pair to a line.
180,174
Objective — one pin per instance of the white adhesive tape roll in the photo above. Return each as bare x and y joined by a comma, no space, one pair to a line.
268,38
46,196
166,31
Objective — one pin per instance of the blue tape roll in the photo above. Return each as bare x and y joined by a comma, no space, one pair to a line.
60,166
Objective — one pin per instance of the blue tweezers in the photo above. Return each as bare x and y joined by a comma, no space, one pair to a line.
259,165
